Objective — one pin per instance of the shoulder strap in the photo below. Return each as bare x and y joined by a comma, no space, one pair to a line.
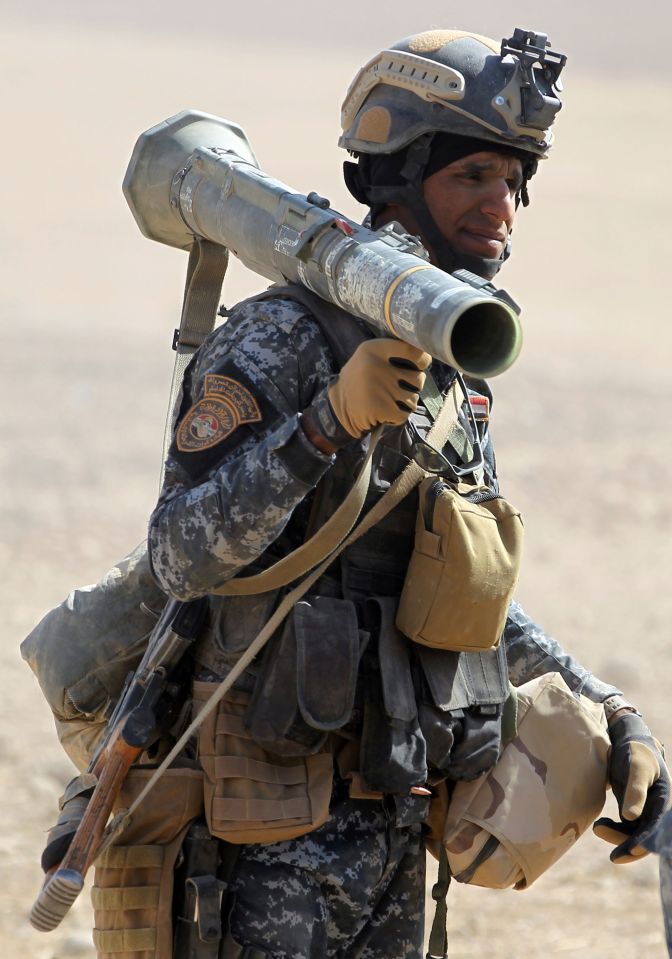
202,290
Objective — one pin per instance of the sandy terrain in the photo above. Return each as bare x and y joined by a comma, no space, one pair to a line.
88,307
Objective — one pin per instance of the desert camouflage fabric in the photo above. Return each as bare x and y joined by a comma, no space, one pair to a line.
544,792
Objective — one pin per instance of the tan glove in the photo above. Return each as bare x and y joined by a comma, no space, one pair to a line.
641,784
380,383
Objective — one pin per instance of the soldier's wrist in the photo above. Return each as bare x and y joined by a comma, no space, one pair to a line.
322,427
615,707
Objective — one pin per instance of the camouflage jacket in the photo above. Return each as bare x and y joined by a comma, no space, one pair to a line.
240,468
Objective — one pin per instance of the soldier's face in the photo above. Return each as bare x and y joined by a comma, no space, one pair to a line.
473,201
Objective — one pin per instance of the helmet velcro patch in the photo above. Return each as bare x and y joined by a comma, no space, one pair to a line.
432,40
374,125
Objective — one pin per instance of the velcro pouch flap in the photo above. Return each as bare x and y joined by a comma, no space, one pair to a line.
461,680
327,647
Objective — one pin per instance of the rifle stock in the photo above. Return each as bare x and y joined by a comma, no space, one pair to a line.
64,883
135,724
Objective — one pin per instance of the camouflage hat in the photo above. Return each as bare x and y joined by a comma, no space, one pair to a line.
455,82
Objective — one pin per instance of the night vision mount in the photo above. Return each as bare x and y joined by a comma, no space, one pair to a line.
538,70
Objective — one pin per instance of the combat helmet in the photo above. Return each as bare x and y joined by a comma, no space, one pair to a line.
448,92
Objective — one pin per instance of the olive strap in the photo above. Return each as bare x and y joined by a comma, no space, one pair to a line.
202,290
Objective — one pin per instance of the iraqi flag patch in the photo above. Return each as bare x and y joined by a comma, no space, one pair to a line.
480,406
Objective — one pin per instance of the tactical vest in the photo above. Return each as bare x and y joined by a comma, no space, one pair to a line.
420,714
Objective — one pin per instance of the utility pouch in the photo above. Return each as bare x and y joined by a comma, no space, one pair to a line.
253,795
508,827
393,751
464,567
133,890
306,685
461,709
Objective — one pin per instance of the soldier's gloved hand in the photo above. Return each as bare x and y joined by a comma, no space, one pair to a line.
641,784
73,805
380,383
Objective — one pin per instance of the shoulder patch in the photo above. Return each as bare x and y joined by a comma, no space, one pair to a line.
225,405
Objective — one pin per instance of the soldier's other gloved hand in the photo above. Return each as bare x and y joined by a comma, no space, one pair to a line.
641,784
380,383
73,805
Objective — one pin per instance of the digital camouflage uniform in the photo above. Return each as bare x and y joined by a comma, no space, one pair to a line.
236,485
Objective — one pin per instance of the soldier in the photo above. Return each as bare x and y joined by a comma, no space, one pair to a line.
319,766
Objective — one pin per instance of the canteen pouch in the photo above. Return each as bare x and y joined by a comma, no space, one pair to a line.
464,567
253,795
83,649
132,894
306,685
508,827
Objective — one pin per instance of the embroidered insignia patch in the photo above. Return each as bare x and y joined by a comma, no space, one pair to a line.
226,405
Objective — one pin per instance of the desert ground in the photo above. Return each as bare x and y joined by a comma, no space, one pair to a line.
88,306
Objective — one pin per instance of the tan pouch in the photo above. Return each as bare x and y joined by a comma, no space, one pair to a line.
252,795
506,828
132,894
463,570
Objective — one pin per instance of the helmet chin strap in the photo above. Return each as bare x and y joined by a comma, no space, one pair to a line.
446,257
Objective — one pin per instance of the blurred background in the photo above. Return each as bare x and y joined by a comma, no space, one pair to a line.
88,306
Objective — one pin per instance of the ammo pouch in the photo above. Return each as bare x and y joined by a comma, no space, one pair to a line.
506,828
393,754
456,730
464,699
133,890
306,685
253,795
464,567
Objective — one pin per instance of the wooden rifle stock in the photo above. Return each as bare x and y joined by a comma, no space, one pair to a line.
64,883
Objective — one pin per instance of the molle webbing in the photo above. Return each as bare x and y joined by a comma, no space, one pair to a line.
463,680
129,942
125,897
127,910
403,485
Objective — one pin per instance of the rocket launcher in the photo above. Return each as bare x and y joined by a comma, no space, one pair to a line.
195,176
